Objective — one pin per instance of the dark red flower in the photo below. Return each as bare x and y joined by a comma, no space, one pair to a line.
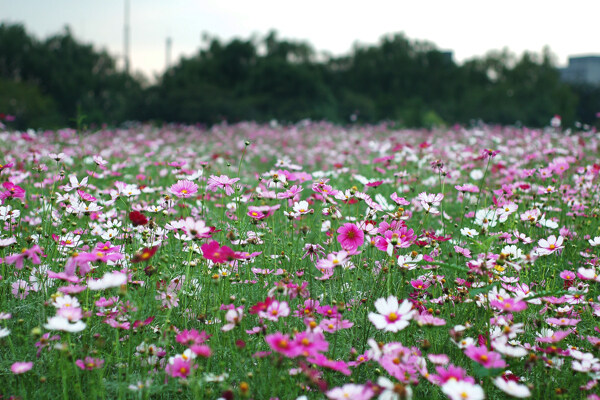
137,218
261,306
144,255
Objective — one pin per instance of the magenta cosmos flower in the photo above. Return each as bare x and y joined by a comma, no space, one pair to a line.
21,367
12,191
392,317
180,368
489,359
282,344
184,189
217,254
350,237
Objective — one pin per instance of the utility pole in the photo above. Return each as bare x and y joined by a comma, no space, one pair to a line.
126,37
168,46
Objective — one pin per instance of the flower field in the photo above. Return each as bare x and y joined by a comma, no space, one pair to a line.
309,261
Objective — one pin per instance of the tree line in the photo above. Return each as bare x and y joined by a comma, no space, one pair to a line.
59,81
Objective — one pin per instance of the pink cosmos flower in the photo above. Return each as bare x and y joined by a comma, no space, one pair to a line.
428,319
223,182
20,289
550,336
85,196
184,189
258,215
179,368
212,251
550,245
201,350
283,344
489,359
563,321
310,343
5,166
322,361
192,337
100,161
440,359
332,325
450,373
463,251
197,228
12,191
419,284
399,200
313,251
468,187
350,237
290,192
89,363
567,275
332,260
18,259
392,317
509,304
275,310
21,367
233,317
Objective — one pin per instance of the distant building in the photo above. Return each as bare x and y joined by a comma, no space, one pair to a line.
582,69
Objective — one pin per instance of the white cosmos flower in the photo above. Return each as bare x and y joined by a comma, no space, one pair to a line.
392,317
476,174
301,207
390,390
65,301
463,390
470,232
108,280
58,323
512,388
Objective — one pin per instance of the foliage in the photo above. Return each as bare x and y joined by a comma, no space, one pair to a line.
409,82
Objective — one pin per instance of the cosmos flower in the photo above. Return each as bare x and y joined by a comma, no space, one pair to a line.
137,218
221,182
392,317
350,391
512,388
463,390
184,189
179,368
58,323
550,245
108,280
350,237
282,344
21,367
89,363
145,254
489,359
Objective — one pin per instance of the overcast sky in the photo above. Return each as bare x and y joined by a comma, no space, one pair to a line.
468,27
